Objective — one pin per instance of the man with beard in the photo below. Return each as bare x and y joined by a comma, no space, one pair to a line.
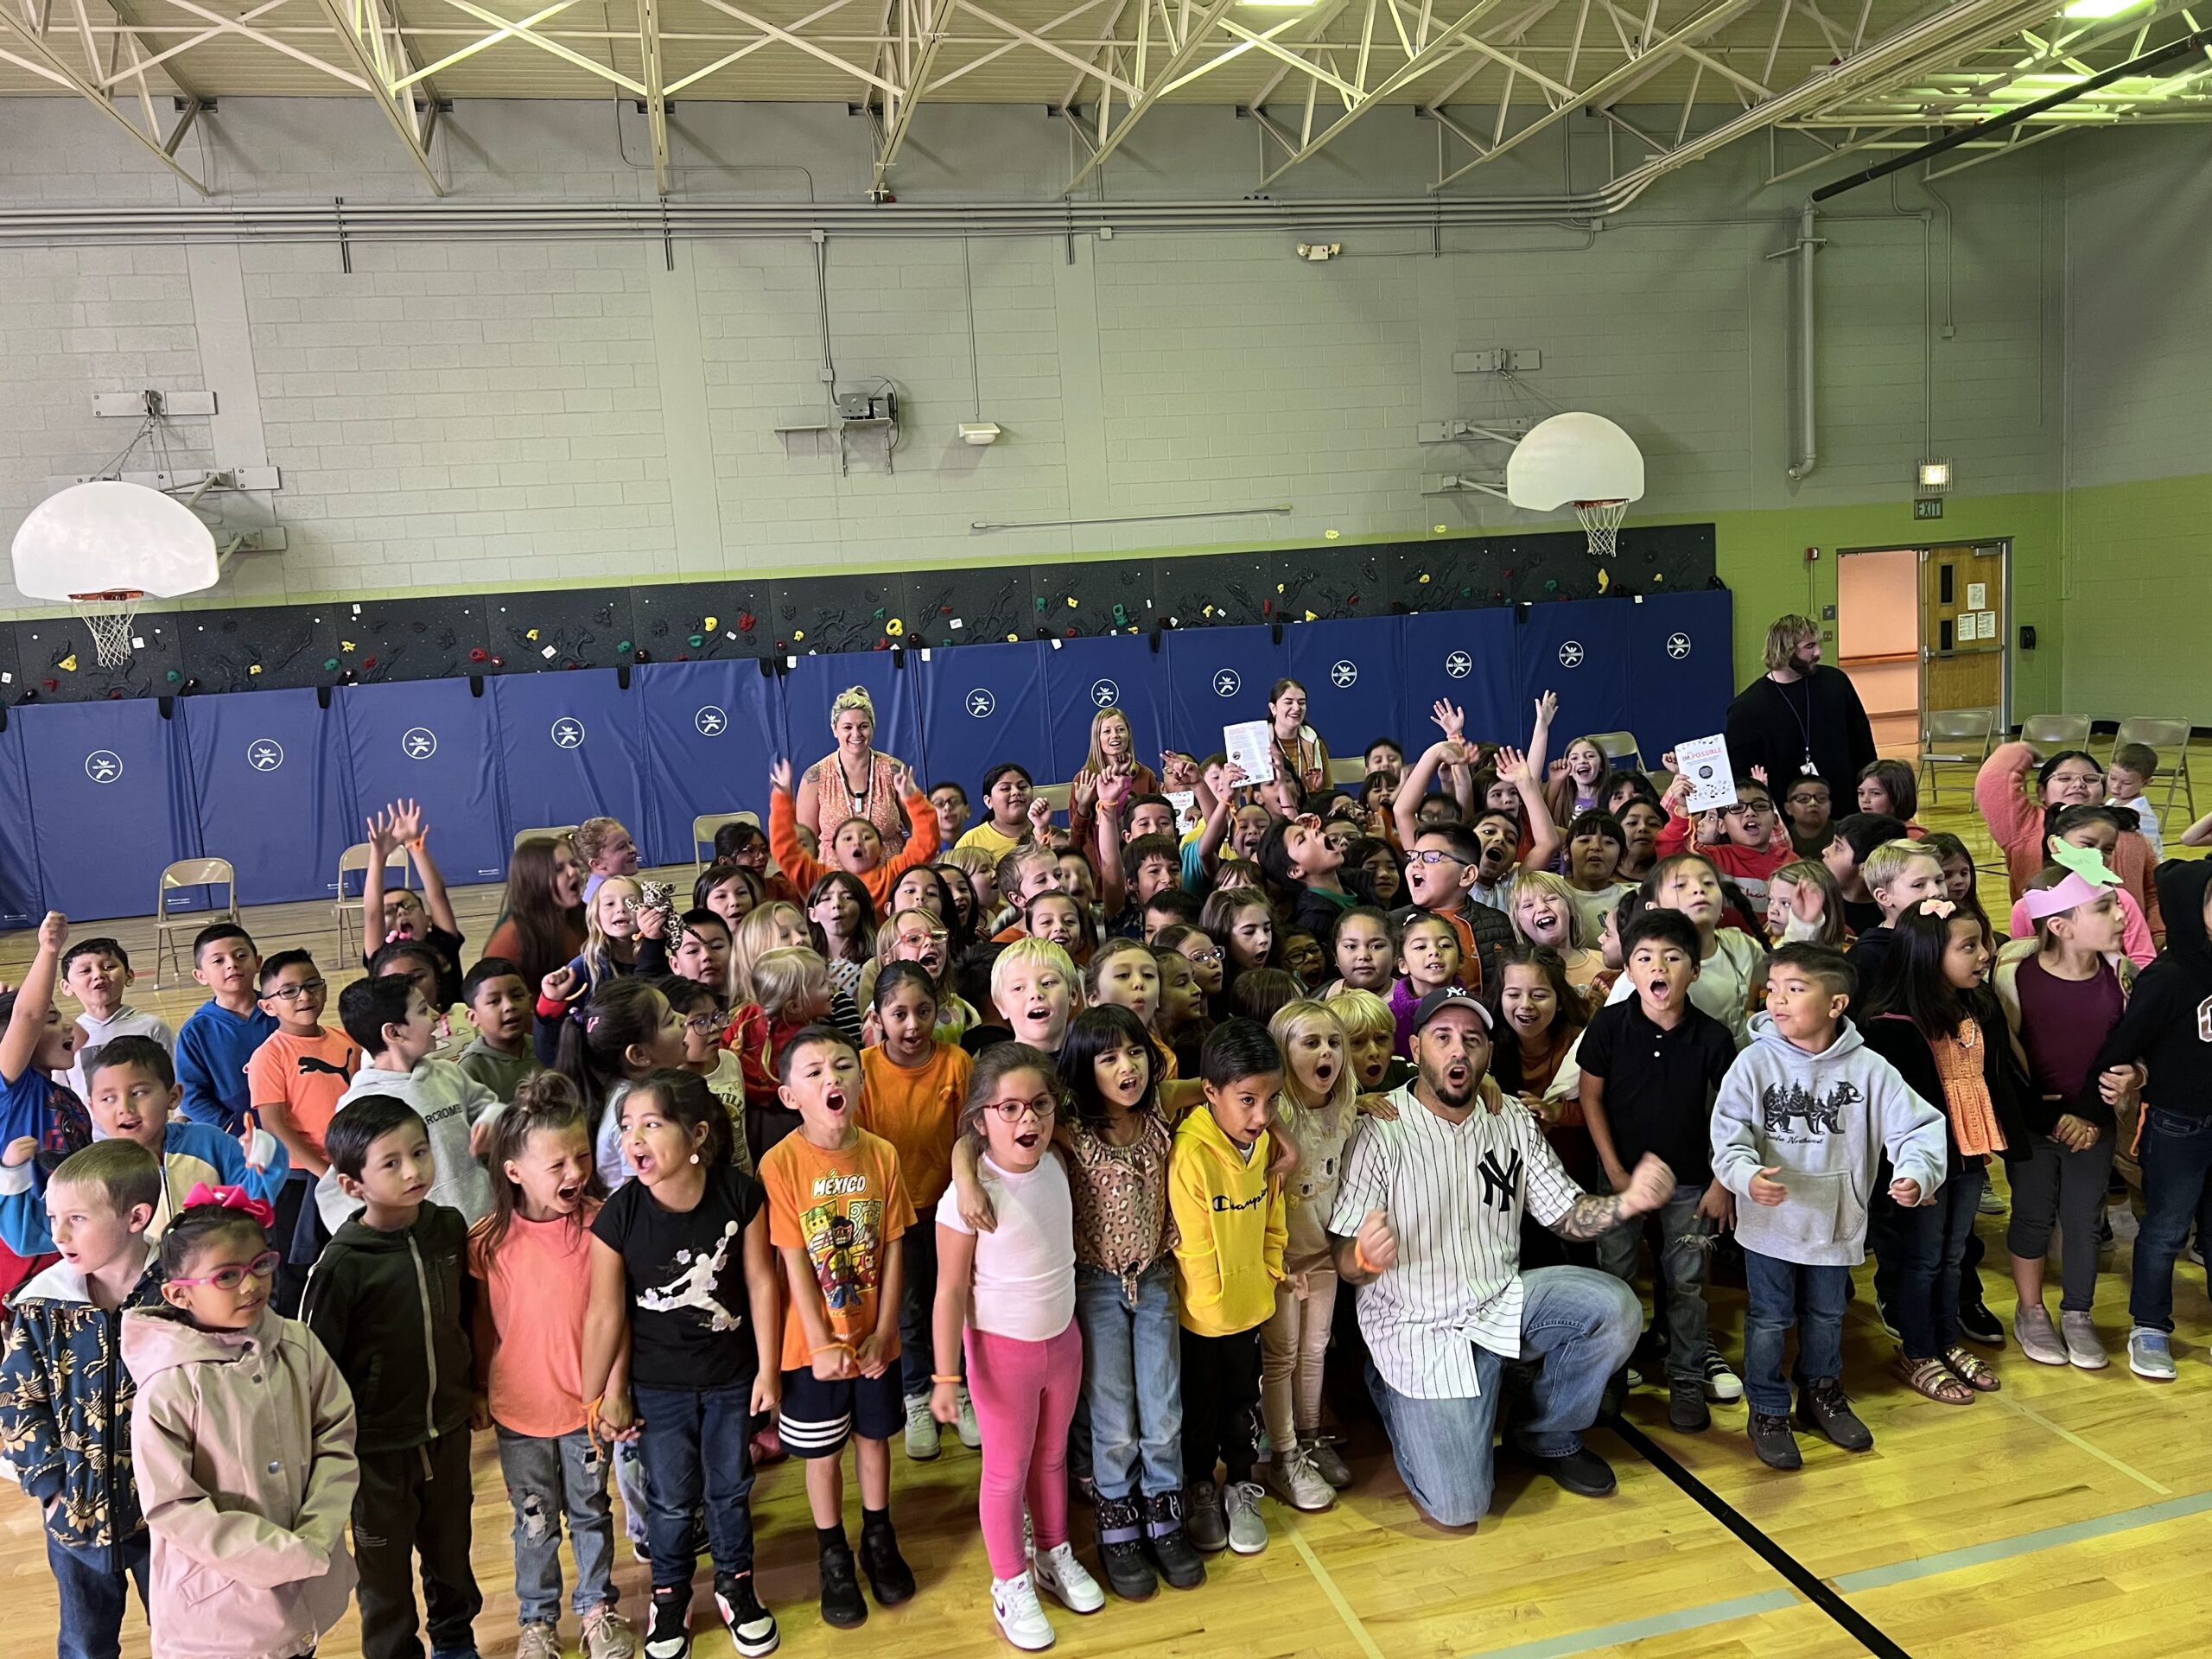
1799,719
1428,1225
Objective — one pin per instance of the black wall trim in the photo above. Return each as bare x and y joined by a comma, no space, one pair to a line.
447,636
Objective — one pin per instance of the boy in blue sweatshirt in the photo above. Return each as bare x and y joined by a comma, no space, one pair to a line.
35,1043
1801,1123
133,1091
221,1035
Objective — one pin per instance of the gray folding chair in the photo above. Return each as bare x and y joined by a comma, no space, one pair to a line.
703,829
1954,737
189,873
2170,739
355,860
1618,748
2048,734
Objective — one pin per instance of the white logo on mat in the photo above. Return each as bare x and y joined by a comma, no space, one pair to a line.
1345,675
1459,664
265,754
103,766
1104,694
419,743
568,733
1227,683
981,703
710,721
1570,654
1678,646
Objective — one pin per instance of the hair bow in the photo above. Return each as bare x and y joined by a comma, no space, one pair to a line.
231,1198
1938,908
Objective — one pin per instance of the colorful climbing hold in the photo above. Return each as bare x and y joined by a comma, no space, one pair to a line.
1551,587
174,676
622,646
696,640
531,635
711,624
895,627
745,621
330,665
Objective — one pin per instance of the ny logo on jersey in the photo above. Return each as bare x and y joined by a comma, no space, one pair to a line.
1501,1186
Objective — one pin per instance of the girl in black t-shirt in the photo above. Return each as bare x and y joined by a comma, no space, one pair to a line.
680,1257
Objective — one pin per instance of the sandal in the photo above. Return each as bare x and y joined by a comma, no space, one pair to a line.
1972,1370
1933,1378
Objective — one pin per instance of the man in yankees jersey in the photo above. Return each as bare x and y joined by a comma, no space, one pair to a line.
1428,1225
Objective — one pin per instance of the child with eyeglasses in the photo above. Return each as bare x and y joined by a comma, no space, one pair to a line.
295,1080
1744,841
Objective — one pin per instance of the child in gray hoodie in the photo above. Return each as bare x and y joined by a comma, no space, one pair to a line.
1801,1128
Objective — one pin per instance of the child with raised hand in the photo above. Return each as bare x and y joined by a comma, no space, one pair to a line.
1006,1305
1742,841
242,1444
1231,1230
684,1297
64,1393
1315,1110
1800,1128
1805,906
36,1044
627,1032
1580,781
497,1001
133,1096
837,1207
96,972
532,1257
219,1036
390,1299
1428,960
1928,1013
1651,1063
425,918
916,1082
2165,1030
1544,912
856,846
2063,991
1361,952
1730,961
607,850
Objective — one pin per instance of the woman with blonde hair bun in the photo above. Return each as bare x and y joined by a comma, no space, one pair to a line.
853,780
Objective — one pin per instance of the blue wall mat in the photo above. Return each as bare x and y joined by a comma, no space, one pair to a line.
1217,678
1579,650
104,800
1350,670
811,686
432,741
21,905
270,777
710,738
571,746
983,704
1679,672
1117,671
1466,657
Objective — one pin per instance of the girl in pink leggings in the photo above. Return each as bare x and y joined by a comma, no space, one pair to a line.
1012,1290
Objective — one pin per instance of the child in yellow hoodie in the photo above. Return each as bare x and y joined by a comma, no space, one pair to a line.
1231,1215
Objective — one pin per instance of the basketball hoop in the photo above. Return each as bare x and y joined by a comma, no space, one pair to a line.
1602,519
108,617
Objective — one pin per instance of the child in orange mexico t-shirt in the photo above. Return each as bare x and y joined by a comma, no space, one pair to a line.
837,1203
915,1087
295,1081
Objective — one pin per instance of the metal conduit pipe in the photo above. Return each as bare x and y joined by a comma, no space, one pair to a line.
1809,436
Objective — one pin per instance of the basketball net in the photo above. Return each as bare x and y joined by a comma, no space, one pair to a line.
1602,520
108,617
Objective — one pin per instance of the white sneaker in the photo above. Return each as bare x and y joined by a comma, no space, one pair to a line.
1014,1604
1247,1533
2079,1332
921,1428
1298,1483
1067,1581
970,1436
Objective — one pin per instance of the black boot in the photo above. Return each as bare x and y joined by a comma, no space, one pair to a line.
888,1575
1120,1550
842,1604
1179,1563
1772,1441
1822,1405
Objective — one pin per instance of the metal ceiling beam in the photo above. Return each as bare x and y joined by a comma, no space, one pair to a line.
932,19
1198,29
44,60
656,95
366,34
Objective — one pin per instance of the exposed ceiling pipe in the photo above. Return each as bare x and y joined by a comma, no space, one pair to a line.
1809,435
2184,46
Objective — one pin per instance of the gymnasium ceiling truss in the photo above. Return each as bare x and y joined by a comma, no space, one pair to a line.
1673,80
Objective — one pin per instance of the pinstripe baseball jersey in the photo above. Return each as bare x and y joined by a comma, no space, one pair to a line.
1453,1193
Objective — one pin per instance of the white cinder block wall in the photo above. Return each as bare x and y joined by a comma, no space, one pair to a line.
459,413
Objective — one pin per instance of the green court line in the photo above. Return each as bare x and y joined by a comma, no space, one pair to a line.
1635,1629
2027,1543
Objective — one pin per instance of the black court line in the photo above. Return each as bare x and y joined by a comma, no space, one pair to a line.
1801,1577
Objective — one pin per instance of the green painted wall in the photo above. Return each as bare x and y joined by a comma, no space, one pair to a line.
2138,592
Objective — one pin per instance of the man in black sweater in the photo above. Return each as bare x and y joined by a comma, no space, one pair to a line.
1800,718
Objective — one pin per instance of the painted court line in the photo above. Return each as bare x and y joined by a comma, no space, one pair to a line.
1638,1630
2027,1543
1329,1589
2081,1444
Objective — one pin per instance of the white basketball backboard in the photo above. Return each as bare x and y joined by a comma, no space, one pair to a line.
1574,457
108,535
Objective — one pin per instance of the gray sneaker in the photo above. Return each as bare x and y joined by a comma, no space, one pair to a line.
1248,1534
2031,1329
2150,1354
921,1428
1203,1523
1297,1481
2082,1348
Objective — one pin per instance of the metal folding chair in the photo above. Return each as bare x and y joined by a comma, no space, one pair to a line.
189,873
1954,737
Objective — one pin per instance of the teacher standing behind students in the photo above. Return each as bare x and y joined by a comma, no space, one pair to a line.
1799,719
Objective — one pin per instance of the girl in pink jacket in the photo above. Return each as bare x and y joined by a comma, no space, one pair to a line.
242,1437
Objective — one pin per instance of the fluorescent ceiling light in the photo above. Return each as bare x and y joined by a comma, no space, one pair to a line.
2094,8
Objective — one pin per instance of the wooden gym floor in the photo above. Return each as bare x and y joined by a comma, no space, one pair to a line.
2069,1514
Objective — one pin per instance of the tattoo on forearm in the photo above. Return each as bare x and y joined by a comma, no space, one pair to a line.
1591,1216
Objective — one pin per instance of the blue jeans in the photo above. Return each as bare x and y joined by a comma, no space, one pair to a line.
1576,1325
1780,1294
696,1444
1928,1242
93,1586
548,1478
2176,1157
1132,1379
1685,1251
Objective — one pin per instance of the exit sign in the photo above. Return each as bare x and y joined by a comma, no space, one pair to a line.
1931,508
